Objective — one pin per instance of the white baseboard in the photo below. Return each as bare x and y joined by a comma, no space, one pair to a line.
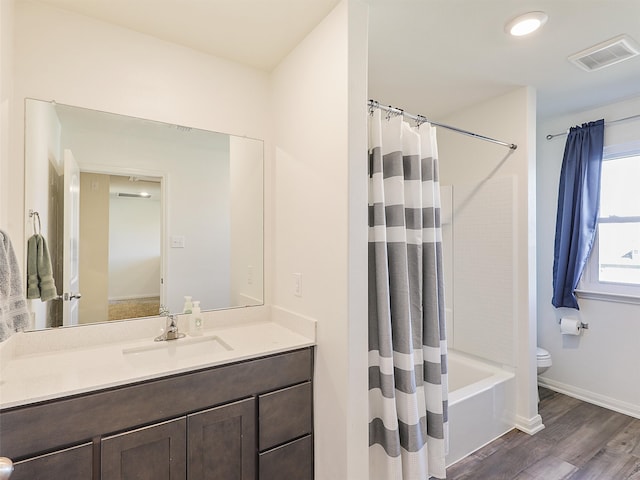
133,297
633,410
530,426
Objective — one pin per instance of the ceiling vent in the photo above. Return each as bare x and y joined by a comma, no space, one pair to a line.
606,53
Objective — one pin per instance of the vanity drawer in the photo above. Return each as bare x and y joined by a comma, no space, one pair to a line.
293,460
75,463
284,415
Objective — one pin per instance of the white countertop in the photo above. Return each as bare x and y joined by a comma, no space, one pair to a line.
28,376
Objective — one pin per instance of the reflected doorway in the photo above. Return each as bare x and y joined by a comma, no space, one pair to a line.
120,246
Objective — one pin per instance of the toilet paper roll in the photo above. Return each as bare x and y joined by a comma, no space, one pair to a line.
570,326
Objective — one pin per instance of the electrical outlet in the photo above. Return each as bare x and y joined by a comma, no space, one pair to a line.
177,241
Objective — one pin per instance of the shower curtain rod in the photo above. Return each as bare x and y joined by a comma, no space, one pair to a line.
611,122
422,119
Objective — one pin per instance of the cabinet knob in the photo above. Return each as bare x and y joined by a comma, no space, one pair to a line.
6,467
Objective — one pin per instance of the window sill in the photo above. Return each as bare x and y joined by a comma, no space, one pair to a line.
608,297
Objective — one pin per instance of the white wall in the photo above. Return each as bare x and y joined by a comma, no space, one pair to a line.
485,246
315,215
43,160
358,218
79,61
135,75
6,95
602,365
500,184
134,248
312,191
247,230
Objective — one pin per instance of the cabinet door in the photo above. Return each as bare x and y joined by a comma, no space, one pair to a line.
222,442
157,452
74,463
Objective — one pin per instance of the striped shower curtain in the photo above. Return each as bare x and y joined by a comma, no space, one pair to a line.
407,343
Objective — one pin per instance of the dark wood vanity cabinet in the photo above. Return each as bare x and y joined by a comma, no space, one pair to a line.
243,421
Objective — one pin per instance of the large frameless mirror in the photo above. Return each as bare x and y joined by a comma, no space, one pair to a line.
137,213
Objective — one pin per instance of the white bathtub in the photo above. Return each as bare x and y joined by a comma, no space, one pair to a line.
481,404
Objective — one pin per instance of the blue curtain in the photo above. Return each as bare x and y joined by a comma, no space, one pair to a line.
578,201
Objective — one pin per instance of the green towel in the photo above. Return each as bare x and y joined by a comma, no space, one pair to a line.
33,290
40,283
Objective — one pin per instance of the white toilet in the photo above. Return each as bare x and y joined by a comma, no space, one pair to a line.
544,360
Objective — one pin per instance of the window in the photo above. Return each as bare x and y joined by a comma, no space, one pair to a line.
613,269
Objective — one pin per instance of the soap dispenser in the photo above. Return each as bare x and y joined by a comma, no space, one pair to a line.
188,305
195,321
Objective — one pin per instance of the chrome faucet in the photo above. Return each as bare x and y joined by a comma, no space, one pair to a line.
171,327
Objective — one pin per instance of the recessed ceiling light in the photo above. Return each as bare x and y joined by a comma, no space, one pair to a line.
526,23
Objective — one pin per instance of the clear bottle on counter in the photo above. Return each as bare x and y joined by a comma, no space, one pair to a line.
188,305
196,316
195,320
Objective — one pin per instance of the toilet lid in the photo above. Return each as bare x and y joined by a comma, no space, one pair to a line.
542,353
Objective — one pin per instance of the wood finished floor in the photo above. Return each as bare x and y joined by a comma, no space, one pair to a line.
581,441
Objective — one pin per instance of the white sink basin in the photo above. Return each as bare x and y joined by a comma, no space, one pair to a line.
175,350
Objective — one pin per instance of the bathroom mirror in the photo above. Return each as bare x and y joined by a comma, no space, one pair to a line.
138,213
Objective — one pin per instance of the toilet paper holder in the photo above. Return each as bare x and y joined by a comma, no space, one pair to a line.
584,326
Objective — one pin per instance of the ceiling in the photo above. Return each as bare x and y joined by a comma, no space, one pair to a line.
449,54
258,33
432,57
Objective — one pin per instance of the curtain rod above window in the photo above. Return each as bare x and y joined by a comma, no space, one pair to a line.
422,119
611,122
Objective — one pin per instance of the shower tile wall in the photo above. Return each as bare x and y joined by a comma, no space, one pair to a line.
446,217
484,273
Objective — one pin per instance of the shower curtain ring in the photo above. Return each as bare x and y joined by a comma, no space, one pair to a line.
394,112
372,106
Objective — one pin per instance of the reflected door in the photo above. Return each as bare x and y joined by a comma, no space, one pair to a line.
70,275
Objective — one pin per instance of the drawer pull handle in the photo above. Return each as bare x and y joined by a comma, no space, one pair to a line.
6,468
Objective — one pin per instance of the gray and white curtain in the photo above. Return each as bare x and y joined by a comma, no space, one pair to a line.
408,437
